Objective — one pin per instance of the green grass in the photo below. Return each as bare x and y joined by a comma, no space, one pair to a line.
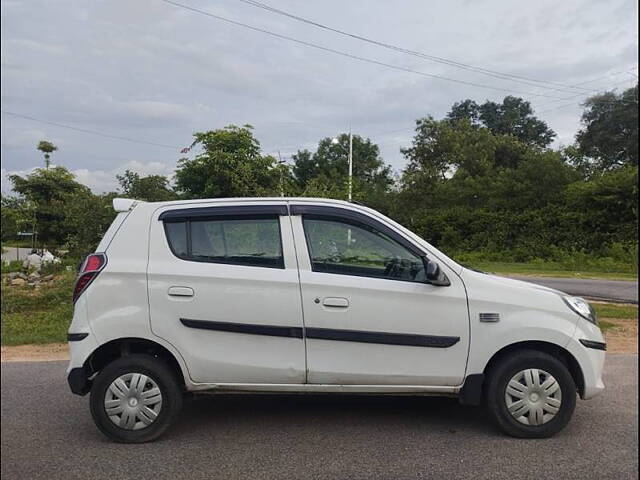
37,316
610,310
551,269
13,266
604,325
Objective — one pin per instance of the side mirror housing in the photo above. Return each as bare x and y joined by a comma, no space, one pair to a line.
434,275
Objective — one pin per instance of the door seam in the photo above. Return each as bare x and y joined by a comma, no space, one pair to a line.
304,328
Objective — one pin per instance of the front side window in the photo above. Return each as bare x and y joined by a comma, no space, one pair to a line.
237,241
341,247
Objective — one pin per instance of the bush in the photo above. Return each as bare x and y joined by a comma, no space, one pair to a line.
13,266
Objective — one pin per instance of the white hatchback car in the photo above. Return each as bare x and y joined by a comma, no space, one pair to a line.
312,295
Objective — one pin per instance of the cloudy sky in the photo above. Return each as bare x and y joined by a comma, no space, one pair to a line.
154,72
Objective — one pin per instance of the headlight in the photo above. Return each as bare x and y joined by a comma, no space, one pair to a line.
582,308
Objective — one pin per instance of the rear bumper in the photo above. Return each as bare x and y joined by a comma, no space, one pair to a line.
79,382
81,346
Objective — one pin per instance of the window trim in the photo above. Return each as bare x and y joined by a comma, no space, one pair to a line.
227,215
356,221
222,212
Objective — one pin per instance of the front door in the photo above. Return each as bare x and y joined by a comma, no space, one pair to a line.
370,317
224,290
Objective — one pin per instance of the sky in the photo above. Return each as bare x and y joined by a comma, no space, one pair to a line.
156,73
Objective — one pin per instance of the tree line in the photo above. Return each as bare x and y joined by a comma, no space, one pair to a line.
482,180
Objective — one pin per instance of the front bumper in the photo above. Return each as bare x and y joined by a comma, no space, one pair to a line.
587,346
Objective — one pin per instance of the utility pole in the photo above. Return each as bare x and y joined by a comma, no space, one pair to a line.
350,164
336,141
280,162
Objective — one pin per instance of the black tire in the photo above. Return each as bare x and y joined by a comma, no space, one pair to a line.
503,372
160,373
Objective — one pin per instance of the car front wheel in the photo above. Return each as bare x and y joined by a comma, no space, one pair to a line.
531,394
135,399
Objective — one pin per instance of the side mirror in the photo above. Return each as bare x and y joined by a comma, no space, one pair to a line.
434,275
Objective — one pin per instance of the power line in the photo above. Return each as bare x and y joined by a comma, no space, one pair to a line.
403,130
602,92
484,71
92,132
597,92
615,74
349,55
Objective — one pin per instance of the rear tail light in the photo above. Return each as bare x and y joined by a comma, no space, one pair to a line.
89,270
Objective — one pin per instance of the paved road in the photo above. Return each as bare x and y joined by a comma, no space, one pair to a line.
47,433
612,290
15,253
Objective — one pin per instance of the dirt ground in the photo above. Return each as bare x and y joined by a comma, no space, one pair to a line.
35,353
623,338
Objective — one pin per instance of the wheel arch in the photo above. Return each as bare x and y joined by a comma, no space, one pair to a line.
120,347
552,349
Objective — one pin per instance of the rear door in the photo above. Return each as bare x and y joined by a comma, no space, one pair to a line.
370,317
224,290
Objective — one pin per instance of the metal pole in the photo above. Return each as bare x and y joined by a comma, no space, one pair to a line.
350,163
350,179
280,162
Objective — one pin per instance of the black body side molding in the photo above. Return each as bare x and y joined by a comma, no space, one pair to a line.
76,337
269,330
384,338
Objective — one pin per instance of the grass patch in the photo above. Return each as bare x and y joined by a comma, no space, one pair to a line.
610,310
604,325
550,269
37,316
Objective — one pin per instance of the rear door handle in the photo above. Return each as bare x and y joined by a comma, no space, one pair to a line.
180,291
336,302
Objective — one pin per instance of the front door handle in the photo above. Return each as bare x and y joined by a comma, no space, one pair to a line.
180,291
336,302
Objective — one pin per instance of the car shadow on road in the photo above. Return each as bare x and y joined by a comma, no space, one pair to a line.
304,413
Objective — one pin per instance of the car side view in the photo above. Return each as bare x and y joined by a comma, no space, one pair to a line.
312,295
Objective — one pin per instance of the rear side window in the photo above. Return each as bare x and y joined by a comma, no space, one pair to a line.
237,241
177,235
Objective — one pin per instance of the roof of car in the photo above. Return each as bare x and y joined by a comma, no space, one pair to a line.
124,204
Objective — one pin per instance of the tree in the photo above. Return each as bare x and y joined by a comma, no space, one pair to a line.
49,191
467,188
440,147
18,215
607,206
152,188
87,217
304,167
47,148
609,137
514,116
230,165
325,172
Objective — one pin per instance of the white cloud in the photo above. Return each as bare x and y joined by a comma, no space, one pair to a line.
151,71
100,181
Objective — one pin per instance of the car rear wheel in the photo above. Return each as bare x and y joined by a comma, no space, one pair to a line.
531,394
135,399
